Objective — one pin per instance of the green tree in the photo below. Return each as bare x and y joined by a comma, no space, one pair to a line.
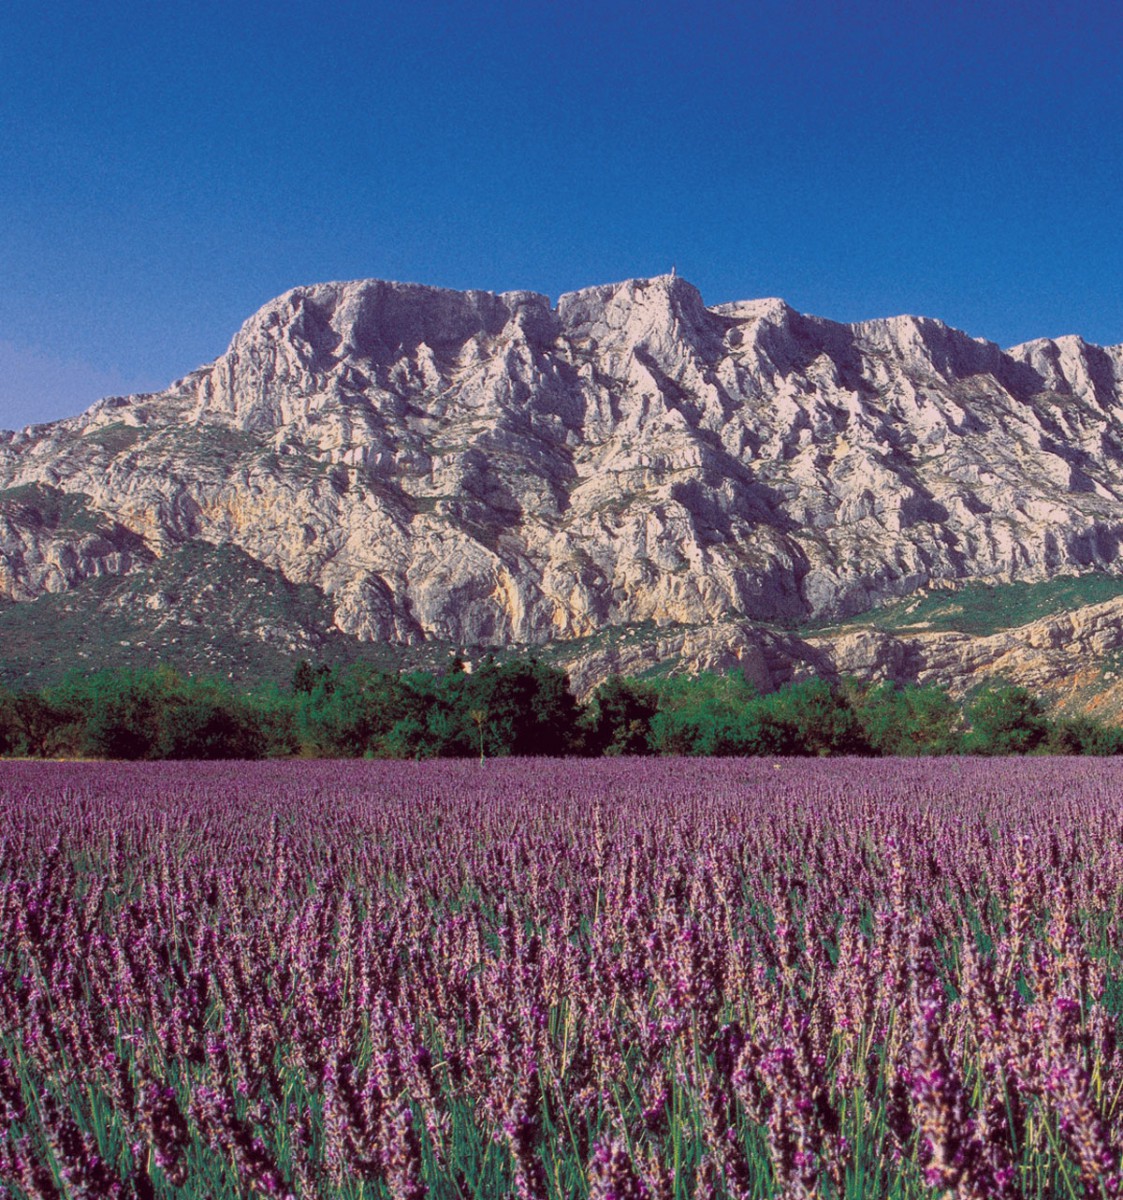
348,713
1005,720
205,721
908,721
48,723
9,729
305,677
706,714
817,717
618,718
274,714
1082,735
519,706
124,713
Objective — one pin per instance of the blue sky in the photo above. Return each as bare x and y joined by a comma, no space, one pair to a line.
166,169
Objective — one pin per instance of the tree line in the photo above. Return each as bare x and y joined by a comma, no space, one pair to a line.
520,707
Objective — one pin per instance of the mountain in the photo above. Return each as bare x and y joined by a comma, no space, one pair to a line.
465,469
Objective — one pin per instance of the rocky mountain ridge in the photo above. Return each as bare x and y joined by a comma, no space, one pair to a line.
485,469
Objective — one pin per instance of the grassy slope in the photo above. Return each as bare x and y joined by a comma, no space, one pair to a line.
982,609
202,609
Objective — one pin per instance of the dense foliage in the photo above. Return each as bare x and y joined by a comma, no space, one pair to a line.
519,707
649,979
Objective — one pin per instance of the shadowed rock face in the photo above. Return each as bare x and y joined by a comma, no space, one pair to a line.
490,469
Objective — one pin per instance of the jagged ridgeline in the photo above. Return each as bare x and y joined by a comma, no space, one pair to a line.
626,468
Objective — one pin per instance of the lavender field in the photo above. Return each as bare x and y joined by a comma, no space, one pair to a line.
606,978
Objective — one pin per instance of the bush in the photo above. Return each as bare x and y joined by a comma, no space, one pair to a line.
816,720
519,707
909,721
1082,735
618,718
346,713
1005,720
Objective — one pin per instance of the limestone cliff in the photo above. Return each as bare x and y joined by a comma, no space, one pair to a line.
494,469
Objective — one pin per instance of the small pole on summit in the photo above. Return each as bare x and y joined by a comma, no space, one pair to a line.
672,270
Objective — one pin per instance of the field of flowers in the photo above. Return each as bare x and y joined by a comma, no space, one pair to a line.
607,978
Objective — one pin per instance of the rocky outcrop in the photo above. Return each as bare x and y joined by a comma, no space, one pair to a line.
493,469
1054,656
1073,660
53,543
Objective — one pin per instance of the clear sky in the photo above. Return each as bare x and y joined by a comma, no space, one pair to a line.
167,168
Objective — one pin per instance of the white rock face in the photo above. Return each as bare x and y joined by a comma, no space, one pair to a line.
491,469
